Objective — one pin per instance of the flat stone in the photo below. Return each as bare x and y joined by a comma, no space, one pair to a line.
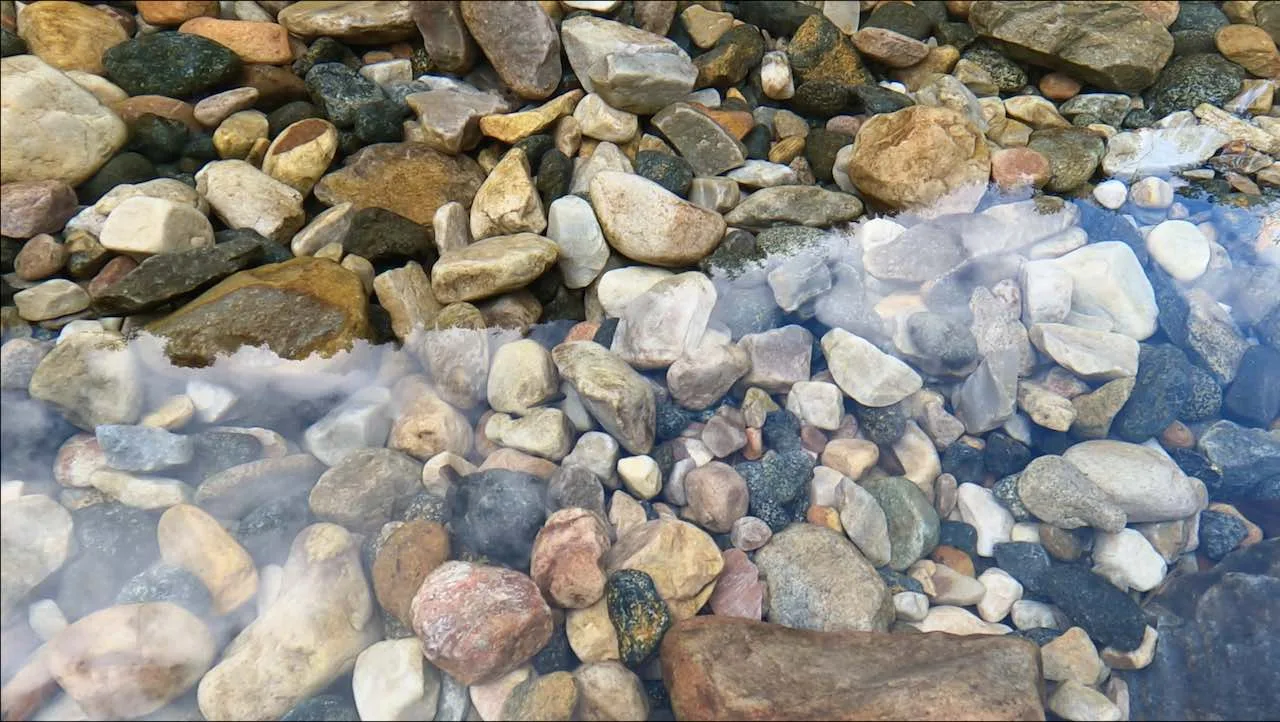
706,145
245,197
1142,482
492,266
793,205
700,378
175,65
1160,151
870,376
630,68
358,23
423,178
714,669
1093,355
514,127
50,299
801,566
1055,491
778,357
192,539
665,322
445,36
520,42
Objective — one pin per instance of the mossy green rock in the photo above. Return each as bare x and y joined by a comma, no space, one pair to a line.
1194,79
296,308
177,65
913,523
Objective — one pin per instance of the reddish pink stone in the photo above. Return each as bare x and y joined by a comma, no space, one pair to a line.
1012,167
739,591
116,269
30,208
479,622
568,558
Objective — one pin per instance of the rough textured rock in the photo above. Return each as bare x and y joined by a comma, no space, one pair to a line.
737,669
613,392
1111,46
411,179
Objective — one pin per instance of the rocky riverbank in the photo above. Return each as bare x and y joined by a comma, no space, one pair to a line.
639,360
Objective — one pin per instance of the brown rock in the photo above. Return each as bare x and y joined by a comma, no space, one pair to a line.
301,153
1250,47
916,156
954,558
191,539
130,660
137,106
492,266
175,12
819,51
568,558
445,35
891,48
681,558
737,669
941,59
275,85
34,207
610,691
406,178
513,127
254,42
40,258
427,425
1161,11
478,622
739,591
1059,86
381,21
1013,167
513,460
412,552
70,36
521,42
116,269
717,497
548,697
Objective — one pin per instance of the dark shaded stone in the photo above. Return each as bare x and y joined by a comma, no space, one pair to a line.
820,148
734,55
555,171
781,431
1218,649
339,92
1005,455
780,17
737,250
1104,225
942,338
1195,26
958,35
778,486
167,583
638,614
498,513
1110,617
1139,118
380,121
1073,153
160,139
177,65
1159,393
575,486
964,462
557,656
1247,458
165,277
1026,562
325,708
873,99
1008,75
1040,635
1191,80
669,171
1204,396
901,18
960,535
378,234
1220,534
882,425
288,114
267,531
1254,397
671,418
325,50
534,146
116,543
757,142
820,98
898,582
127,167
11,44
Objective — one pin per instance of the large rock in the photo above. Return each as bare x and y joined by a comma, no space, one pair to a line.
90,378
1216,653
310,635
923,158
613,392
1108,281
665,322
631,69
792,205
1143,482
411,179
818,580
648,223
718,668
52,128
165,277
296,308
70,37
492,266
497,514
521,43
1057,492
175,65
130,660
479,622
1113,46
363,489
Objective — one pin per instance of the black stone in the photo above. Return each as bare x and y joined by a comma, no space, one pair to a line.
669,171
738,249
1220,534
671,418
288,114
734,55
1160,391
339,92
378,234
198,150
604,334
325,50
325,708
1190,80
1247,458
11,44
167,583
780,17
1140,118
534,146
960,535
778,486
820,98
127,167
1194,28
572,485
1005,455
957,35
943,338
177,65
638,614
964,462
781,431
498,513
757,141
555,171
1218,651
874,100
882,425
898,582
901,18
165,277
160,139
1254,397
1193,463
217,451
820,148
267,531
1091,602
1204,396
1040,635
1026,562
1105,225
557,656
379,122
1268,329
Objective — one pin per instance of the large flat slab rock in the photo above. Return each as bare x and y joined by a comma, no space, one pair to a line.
740,669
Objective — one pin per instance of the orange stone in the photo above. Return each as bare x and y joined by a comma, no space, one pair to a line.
254,42
513,460
737,122
584,331
951,557
1013,167
824,516
755,445
165,107
176,12
1161,11
1059,86
1177,436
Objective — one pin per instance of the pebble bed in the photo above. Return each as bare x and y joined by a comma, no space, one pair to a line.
639,360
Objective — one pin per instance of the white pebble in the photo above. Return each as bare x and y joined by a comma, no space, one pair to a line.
641,476
1110,194
775,76
46,619
911,606
1180,248
1151,193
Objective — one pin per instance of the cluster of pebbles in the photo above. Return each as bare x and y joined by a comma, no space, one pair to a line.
639,360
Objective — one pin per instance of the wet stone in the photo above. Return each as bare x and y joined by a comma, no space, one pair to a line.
176,65
498,513
167,583
638,614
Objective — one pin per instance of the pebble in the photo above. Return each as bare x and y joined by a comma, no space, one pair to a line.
992,521
631,69
609,691
870,376
1128,559
1180,248
50,299
392,681
649,224
37,535
1073,657
1090,354
1056,491
1074,701
193,540
1002,593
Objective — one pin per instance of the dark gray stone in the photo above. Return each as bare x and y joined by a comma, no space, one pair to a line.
498,514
